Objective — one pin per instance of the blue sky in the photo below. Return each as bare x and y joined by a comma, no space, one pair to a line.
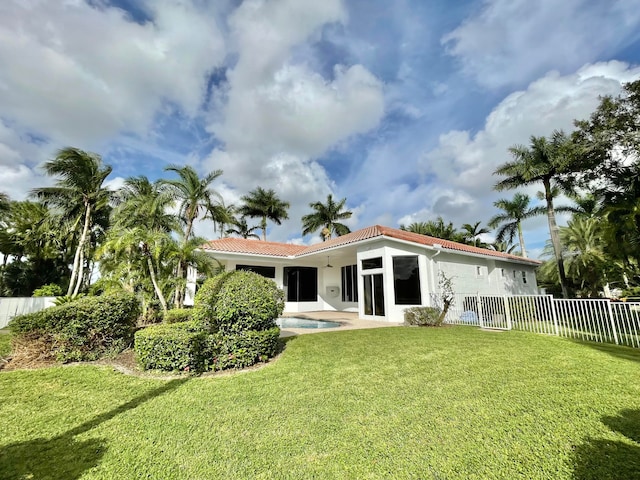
405,107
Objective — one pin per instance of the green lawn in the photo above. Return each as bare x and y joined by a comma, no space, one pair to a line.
363,404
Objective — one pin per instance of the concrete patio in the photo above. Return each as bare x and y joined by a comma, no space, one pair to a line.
347,320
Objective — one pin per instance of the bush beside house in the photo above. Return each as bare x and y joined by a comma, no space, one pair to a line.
232,326
85,329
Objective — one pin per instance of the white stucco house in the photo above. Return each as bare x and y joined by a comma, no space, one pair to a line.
376,271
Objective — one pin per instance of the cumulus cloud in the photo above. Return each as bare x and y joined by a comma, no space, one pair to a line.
279,115
464,161
508,42
81,73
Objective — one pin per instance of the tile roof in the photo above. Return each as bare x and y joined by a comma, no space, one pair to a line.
253,247
258,247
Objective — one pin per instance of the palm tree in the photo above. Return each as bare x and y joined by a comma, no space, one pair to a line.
326,216
471,233
194,194
221,215
513,213
435,228
549,163
266,205
146,204
504,247
584,253
242,229
79,192
137,249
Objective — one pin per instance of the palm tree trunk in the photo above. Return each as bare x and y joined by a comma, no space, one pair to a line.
152,272
555,237
521,237
76,258
179,300
80,274
263,225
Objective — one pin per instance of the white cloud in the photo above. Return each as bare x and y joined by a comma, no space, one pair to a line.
80,73
464,162
509,42
276,116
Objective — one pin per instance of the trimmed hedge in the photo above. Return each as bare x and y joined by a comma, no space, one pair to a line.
176,315
247,301
84,329
423,316
185,347
173,347
243,349
232,326
205,300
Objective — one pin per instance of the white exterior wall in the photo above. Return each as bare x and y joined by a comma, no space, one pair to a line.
461,268
463,272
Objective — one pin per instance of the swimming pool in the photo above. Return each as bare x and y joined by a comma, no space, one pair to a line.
296,322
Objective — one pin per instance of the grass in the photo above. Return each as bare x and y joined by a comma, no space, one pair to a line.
363,404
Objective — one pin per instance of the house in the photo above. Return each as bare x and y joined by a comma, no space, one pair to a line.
376,271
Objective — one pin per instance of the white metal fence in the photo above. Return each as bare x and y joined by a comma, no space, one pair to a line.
592,320
13,306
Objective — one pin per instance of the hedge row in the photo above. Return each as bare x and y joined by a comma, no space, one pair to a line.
187,347
84,329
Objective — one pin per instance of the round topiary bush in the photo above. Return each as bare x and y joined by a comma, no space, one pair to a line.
205,300
238,301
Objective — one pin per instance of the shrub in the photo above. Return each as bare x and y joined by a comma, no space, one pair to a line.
243,349
173,347
205,300
176,315
51,290
423,316
247,301
84,329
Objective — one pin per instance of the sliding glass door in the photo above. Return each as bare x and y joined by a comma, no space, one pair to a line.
374,295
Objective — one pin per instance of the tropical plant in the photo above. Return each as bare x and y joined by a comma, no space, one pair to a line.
325,217
550,162
266,205
141,203
134,256
242,229
221,215
436,228
587,265
194,195
79,193
504,247
472,232
509,221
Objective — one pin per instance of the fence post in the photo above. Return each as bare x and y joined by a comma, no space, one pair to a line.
552,302
613,323
480,316
507,312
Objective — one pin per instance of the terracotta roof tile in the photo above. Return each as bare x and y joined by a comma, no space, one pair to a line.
253,247
258,247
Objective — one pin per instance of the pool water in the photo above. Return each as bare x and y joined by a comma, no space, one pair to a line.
295,322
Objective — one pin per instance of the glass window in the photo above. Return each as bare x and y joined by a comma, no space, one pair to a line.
268,272
478,271
524,277
350,283
373,295
503,272
371,263
406,280
301,284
